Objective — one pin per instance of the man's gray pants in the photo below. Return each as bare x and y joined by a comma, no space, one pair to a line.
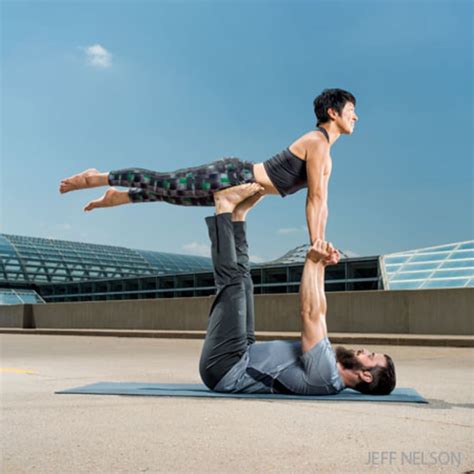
231,324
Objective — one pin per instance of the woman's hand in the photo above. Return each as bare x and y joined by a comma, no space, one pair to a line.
324,252
319,251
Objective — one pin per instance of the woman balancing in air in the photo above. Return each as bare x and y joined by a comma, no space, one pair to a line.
305,163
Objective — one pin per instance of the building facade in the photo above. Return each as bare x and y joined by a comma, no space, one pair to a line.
36,270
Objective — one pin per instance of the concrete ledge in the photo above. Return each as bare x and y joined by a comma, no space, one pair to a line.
336,338
17,316
436,311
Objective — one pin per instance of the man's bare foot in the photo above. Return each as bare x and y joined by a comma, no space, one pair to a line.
227,199
90,178
241,210
112,197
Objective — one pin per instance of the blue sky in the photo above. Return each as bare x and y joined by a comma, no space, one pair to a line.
168,85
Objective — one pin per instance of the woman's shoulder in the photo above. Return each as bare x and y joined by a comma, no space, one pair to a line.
309,141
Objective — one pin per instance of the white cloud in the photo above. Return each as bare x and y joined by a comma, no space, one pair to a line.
290,230
196,248
98,56
257,259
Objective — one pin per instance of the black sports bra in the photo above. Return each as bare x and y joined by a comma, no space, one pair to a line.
287,172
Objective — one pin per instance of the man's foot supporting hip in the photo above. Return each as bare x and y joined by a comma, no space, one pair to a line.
228,199
221,229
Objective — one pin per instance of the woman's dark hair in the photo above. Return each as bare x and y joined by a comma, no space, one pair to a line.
334,99
383,379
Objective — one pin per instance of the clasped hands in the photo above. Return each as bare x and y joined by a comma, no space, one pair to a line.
324,252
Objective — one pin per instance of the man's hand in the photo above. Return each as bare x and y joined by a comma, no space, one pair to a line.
333,258
324,252
320,251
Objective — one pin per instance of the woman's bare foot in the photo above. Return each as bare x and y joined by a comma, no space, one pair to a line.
90,178
241,210
227,199
111,198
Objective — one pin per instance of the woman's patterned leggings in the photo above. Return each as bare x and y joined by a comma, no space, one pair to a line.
185,187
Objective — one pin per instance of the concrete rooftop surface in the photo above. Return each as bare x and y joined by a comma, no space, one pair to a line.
47,433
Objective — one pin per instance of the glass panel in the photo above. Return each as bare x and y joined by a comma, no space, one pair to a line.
362,270
392,268
28,298
77,272
467,245
41,277
15,276
408,267
453,273
442,248
464,254
334,287
412,276
333,272
9,299
275,275
458,282
405,285
33,269
362,285
403,259
429,257
8,251
12,267
458,264
19,297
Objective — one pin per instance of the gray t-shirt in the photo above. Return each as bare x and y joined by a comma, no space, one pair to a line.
281,367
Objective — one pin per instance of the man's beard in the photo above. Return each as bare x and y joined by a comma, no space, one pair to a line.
347,358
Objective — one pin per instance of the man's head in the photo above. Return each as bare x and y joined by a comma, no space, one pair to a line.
338,106
368,372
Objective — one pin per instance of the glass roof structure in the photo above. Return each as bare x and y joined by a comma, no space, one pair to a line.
8,296
38,260
444,266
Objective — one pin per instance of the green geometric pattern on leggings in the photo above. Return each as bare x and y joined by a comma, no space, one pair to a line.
186,187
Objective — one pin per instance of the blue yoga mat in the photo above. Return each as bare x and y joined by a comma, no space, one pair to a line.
199,390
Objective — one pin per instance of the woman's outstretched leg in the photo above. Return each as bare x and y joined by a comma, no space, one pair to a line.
90,178
186,187
112,197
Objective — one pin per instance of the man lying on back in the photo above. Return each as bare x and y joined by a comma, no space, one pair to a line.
231,360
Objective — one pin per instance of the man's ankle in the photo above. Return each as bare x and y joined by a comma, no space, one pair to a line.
238,217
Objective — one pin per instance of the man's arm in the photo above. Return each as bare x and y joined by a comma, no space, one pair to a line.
316,201
313,299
